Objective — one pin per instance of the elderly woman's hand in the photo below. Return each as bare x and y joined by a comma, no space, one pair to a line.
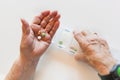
37,36
95,51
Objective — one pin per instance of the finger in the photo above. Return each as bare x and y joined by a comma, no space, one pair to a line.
51,16
35,28
51,23
45,21
45,13
54,29
86,33
25,27
82,40
103,42
93,38
80,57
95,34
79,37
38,19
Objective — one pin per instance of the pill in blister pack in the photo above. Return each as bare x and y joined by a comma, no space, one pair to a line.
65,37
66,41
74,46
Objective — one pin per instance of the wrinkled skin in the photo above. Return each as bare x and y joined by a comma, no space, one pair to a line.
95,51
31,48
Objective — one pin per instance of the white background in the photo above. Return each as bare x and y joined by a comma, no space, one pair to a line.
102,16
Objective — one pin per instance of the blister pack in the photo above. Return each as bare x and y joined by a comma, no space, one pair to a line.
66,41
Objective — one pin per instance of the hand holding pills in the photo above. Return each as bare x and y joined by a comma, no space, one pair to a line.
37,37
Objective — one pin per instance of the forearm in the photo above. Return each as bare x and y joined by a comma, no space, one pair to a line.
22,70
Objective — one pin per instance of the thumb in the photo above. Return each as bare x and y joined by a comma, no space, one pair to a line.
25,27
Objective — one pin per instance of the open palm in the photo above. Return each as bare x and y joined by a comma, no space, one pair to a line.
33,46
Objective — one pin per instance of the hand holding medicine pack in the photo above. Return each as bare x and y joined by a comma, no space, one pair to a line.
65,40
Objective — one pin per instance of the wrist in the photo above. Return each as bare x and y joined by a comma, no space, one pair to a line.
105,69
114,73
22,70
28,62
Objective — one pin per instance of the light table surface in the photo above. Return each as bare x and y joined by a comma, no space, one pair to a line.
102,16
